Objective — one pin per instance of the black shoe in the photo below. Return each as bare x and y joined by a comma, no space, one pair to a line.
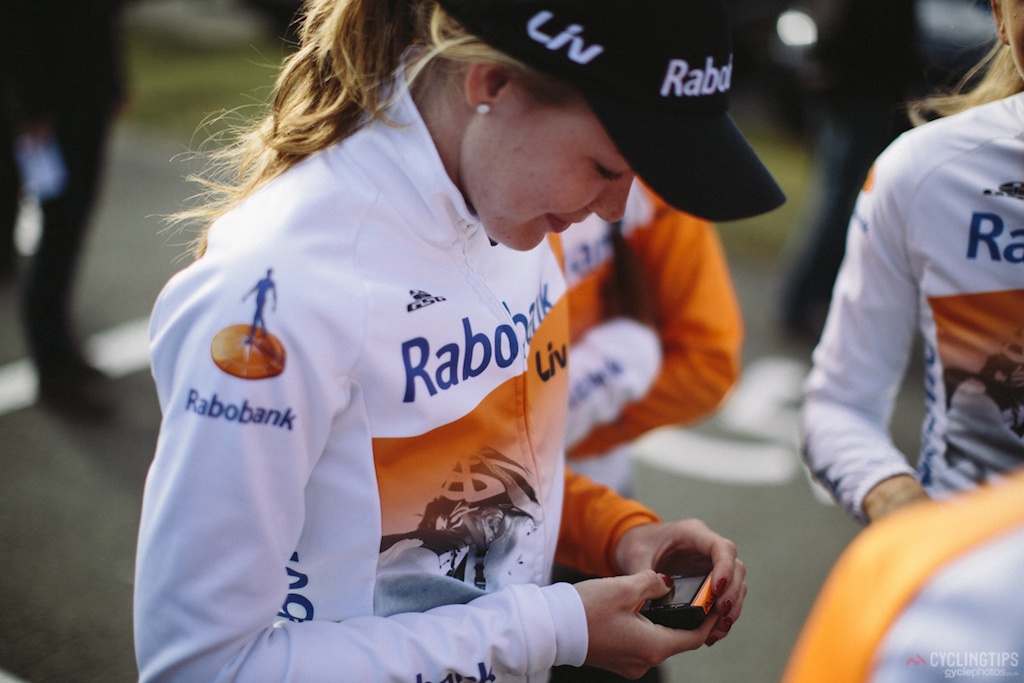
81,393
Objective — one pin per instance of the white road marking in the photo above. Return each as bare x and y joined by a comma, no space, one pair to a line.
766,401
9,678
714,458
755,440
121,350
118,351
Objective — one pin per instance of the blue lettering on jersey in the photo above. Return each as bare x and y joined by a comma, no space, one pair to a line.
242,414
986,236
581,389
484,675
296,607
471,355
476,347
585,257
933,409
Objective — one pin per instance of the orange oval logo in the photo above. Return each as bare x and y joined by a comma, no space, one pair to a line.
248,354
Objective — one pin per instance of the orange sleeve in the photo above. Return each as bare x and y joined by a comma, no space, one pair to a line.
700,324
594,518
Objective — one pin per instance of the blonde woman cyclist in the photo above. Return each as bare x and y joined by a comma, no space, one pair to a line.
363,479
934,249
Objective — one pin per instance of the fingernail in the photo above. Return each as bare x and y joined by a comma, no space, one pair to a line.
720,586
727,606
727,623
712,640
668,580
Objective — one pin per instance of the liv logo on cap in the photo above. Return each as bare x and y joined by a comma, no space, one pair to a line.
569,36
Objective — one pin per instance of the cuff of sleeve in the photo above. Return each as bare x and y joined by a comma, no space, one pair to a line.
572,638
644,346
876,478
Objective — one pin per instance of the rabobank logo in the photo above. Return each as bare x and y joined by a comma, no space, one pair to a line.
251,351
215,408
683,80
439,366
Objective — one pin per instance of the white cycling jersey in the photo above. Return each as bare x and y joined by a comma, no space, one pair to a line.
359,475
936,247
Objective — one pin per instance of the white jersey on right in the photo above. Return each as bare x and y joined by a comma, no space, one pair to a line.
936,247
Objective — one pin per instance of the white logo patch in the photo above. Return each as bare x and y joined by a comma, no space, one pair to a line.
682,81
570,36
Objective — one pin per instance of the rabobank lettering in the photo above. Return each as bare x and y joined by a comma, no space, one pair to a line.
472,352
682,81
297,606
216,409
989,237
483,675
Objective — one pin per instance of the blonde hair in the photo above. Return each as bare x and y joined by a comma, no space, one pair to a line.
337,81
993,78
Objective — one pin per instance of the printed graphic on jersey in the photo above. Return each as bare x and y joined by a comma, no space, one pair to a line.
467,532
869,182
1014,189
981,346
462,504
251,351
422,299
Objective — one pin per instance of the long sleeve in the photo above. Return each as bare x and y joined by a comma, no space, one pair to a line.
594,519
859,364
613,365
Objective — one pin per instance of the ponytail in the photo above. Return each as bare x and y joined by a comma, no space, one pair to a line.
349,52
333,84
993,78
339,80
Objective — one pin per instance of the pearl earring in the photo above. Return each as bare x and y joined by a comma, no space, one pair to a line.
483,109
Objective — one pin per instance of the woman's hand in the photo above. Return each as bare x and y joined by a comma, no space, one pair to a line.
689,547
621,640
891,494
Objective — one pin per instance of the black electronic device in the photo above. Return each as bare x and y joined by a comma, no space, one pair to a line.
685,606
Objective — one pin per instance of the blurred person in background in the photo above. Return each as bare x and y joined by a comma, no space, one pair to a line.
10,182
656,335
62,86
935,249
657,331
862,70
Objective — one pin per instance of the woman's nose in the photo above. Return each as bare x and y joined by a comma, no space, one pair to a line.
610,204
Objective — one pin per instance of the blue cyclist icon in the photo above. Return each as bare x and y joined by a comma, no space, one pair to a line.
250,351
262,288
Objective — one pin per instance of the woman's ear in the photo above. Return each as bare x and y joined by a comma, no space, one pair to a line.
997,14
486,84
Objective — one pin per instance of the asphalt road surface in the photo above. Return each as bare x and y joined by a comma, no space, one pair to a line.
70,493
